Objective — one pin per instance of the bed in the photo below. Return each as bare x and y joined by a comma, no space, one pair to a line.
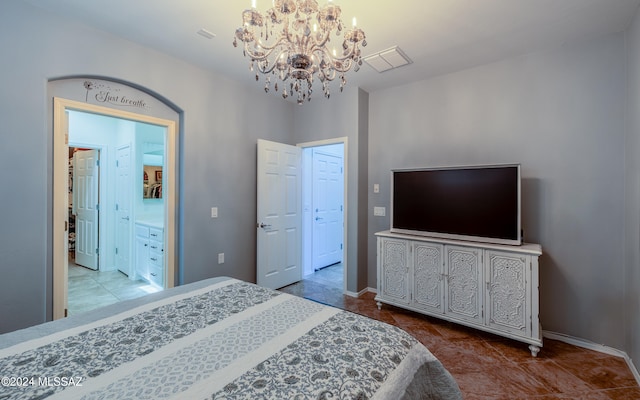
220,338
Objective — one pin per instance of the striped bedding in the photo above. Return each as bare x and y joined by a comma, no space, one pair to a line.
219,339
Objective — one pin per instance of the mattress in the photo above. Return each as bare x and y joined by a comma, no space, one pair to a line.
220,338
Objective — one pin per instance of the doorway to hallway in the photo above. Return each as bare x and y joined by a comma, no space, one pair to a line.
300,225
323,199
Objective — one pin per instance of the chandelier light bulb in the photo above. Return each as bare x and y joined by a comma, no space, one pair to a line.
290,41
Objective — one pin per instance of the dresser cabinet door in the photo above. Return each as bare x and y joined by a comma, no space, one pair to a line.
395,270
508,292
428,277
463,286
142,257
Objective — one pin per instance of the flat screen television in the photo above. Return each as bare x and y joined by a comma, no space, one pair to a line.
477,203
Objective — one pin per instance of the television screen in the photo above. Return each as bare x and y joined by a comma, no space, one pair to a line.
479,203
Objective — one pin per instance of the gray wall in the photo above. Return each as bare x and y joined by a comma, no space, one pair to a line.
632,157
560,113
217,144
343,116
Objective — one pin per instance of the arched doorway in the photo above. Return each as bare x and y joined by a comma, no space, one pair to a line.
139,107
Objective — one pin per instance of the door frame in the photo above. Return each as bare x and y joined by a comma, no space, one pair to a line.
345,160
60,195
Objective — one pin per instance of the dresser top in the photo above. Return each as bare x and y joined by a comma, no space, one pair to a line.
528,248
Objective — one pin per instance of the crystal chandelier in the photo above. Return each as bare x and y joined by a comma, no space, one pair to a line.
290,43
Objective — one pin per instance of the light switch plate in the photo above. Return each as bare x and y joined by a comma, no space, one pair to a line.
379,211
220,258
376,188
214,212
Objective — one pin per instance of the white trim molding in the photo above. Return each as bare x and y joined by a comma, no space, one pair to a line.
595,347
360,293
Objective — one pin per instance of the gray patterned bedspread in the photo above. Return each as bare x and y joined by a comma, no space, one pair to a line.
219,339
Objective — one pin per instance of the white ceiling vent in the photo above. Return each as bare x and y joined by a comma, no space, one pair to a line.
387,59
206,33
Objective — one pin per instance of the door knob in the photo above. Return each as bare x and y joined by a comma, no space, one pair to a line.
263,225
126,218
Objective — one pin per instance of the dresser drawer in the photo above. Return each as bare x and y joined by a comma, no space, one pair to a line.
155,247
156,275
156,234
142,231
155,259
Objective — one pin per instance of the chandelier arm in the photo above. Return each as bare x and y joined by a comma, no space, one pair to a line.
266,50
279,42
346,66
267,70
272,66
349,55
325,39
347,61
331,76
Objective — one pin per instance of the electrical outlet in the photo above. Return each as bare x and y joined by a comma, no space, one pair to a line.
220,258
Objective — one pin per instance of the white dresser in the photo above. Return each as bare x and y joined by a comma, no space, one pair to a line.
490,287
150,253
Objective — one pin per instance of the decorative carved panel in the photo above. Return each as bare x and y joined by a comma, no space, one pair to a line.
463,282
427,279
395,269
489,287
508,291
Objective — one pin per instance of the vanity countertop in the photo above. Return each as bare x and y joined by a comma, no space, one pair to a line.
151,221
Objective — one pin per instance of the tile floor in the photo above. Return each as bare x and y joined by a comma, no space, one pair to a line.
90,289
487,366
331,277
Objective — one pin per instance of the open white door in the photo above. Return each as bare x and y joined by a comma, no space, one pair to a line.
279,253
123,210
328,225
85,207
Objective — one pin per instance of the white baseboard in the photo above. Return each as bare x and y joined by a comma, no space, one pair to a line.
360,293
595,347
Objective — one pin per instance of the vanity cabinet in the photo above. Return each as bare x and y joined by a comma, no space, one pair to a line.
485,286
150,254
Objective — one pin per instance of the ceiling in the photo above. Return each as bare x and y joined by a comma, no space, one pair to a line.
439,36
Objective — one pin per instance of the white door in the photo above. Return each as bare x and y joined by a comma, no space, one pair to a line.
279,254
327,213
85,206
123,210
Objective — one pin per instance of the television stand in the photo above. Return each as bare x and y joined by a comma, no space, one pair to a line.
491,287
